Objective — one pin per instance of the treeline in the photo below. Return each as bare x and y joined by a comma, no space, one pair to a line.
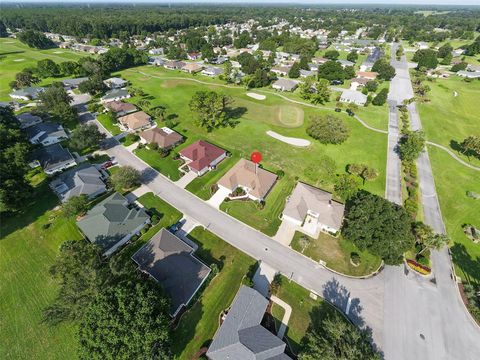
104,21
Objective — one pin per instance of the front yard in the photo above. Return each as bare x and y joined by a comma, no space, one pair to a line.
199,324
164,165
336,253
108,124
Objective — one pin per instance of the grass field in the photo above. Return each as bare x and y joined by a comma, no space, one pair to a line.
167,166
15,56
453,180
198,325
109,124
29,243
254,118
336,253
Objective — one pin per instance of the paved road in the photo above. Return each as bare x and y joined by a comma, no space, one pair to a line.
422,318
393,189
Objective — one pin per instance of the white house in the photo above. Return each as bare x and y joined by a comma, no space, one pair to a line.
115,95
115,83
46,133
285,85
28,93
353,96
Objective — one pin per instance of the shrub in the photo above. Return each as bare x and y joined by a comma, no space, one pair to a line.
153,146
425,270
473,195
280,173
355,258
155,219
422,260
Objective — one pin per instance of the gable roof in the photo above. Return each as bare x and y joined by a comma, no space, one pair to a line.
353,95
44,130
287,84
31,92
305,198
112,94
83,180
192,67
28,119
201,154
164,137
120,106
170,261
110,221
52,157
243,174
241,337
135,120
74,82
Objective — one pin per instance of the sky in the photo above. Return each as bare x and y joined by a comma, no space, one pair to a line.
318,2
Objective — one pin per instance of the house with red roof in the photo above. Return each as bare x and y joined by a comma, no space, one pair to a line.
202,156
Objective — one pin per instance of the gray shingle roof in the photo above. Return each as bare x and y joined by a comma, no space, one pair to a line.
111,221
115,93
30,92
46,129
241,337
52,157
74,82
170,261
83,180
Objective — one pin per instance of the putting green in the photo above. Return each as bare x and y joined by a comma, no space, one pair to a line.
290,116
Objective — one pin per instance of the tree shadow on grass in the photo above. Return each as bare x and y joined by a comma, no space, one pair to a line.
233,114
455,145
468,264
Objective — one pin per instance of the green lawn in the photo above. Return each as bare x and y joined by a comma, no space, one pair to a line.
267,219
303,308
108,124
166,165
453,180
336,253
448,119
198,325
201,186
29,243
15,56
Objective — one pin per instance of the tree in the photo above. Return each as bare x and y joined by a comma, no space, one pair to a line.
56,101
14,158
144,104
371,86
94,85
384,69
159,112
25,78
126,177
471,145
445,50
321,93
346,186
127,321
352,56
294,71
381,97
243,40
425,236
47,68
35,39
81,271
76,205
211,108
331,70
356,169
460,66
328,129
68,68
334,338
425,58
207,52
378,225
331,54
85,136
304,63
369,174
411,145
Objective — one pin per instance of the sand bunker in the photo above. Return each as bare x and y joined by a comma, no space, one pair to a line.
289,140
256,96
18,60
58,52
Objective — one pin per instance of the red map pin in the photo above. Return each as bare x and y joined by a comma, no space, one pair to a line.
256,157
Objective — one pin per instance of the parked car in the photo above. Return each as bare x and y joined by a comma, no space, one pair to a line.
177,226
336,82
350,112
338,110
106,165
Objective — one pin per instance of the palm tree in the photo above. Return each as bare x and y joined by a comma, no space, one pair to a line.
144,104
159,112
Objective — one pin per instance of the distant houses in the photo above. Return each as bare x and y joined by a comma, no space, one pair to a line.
212,71
192,68
111,223
202,156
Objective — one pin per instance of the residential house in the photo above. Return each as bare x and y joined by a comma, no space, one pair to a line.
28,93
345,63
164,137
469,74
156,51
212,71
194,55
120,108
82,180
202,156
457,52
171,262
73,83
112,222
241,335
255,181
285,85
115,95
28,119
306,73
115,83
192,68
422,45
174,65
313,210
353,96
369,75
135,121
359,81
281,70
46,133
53,159
313,67
319,60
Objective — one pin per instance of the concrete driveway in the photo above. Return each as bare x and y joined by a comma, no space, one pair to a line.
186,179
285,232
218,197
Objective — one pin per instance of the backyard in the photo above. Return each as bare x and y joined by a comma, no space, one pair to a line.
15,56
198,325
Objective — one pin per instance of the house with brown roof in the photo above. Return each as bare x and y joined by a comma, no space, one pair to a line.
313,210
370,75
174,65
281,70
120,108
165,137
192,68
245,174
202,156
135,121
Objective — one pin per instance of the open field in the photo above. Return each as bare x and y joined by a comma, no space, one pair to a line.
336,253
448,119
453,180
12,51
198,325
29,243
